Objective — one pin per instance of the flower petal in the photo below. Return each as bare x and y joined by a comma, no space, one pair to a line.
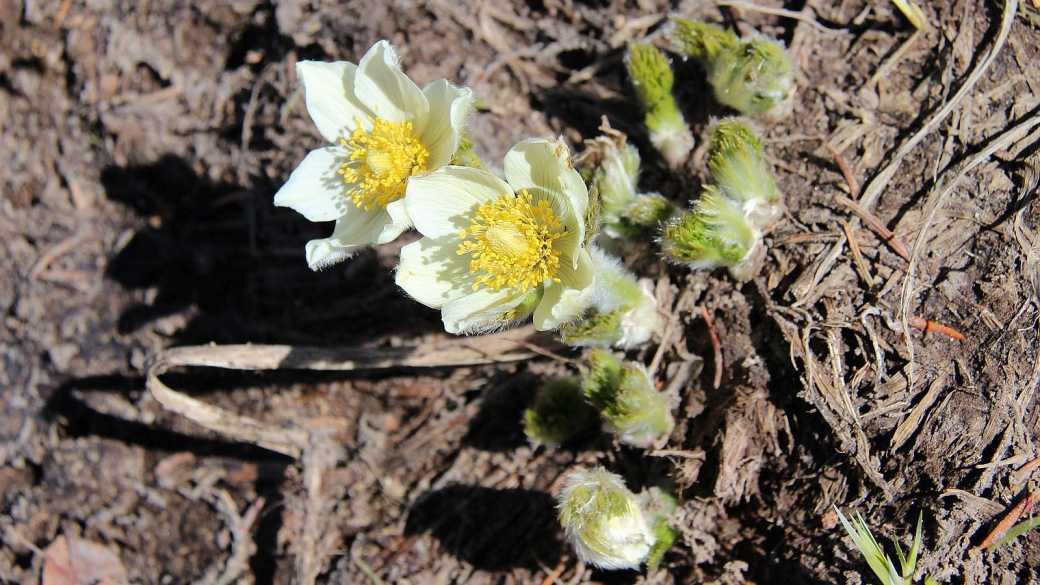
478,311
315,189
441,203
330,97
355,230
450,108
567,300
540,164
568,244
431,272
399,214
391,231
387,91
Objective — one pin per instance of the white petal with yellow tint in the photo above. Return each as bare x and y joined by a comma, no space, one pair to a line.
315,189
429,270
441,136
355,230
441,203
385,89
570,298
478,311
329,94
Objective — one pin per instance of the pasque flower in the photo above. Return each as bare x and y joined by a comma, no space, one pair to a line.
603,520
622,391
725,225
384,130
652,78
750,75
496,251
559,412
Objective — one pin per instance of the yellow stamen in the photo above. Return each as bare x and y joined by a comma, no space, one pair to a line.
511,243
381,160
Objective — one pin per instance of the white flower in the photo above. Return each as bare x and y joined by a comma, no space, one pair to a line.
603,520
497,251
383,130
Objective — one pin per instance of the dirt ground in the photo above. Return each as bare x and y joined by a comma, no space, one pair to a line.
143,143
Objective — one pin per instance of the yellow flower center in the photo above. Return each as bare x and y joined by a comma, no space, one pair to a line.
381,161
511,243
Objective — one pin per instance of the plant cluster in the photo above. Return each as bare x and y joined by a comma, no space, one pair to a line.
524,244
882,566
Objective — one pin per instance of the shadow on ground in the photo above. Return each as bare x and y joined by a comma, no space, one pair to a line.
491,529
228,259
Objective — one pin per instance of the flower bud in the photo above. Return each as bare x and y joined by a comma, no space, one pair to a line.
603,520
595,330
737,163
750,75
634,411
614,170
652,79
714,234
559,413
647,210
700,40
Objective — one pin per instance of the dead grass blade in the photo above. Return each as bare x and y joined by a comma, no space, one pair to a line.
449,352
912,422
876,226
837,409
880,181
318,445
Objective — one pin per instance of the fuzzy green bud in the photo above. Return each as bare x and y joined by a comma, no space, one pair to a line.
738,165
559,412
635,412
755,77
714,234
647,210
616,172
652,78
603,379
700,40
596,330
750,75
603,520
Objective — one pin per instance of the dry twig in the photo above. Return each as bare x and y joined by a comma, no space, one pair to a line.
846,172
716,348
317,443
875,224
1023,507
